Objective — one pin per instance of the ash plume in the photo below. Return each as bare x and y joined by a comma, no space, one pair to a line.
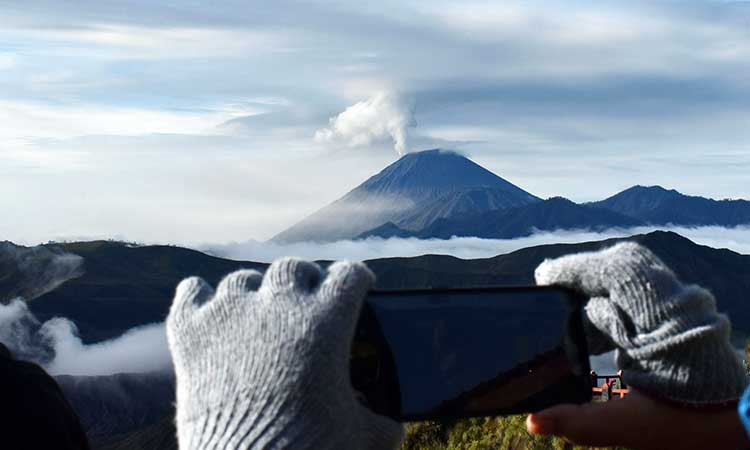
382,118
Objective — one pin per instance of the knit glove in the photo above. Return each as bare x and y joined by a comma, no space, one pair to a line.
670,342
263,362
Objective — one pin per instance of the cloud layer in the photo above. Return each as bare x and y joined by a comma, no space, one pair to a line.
737,239
56,346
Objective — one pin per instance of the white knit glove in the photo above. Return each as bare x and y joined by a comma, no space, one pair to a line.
669,339
263,362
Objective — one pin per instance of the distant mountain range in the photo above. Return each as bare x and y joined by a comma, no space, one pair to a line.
547,215
659,206
439,194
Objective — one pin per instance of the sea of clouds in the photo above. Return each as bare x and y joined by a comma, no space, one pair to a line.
736,239
55,344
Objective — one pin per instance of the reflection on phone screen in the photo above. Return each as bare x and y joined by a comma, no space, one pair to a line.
474,353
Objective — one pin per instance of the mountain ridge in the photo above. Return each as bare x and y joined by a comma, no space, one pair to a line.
439,193
553,214
656,205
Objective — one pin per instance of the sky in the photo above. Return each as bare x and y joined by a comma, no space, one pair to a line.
191,122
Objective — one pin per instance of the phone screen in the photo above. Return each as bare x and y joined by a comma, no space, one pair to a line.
469,352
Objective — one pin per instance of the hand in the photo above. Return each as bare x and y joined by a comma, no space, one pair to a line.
641,423
264,361
670,342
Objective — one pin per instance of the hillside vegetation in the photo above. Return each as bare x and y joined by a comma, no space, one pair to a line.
487,433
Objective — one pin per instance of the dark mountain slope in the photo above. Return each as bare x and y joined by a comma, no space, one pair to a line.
158,436
118,404
29,272
553,214
124,286
412,192
458,204
659,206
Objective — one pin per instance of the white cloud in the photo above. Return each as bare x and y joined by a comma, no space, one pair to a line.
383,117
138,350
24,120
17,331
7,60
737,239
56,346
128,42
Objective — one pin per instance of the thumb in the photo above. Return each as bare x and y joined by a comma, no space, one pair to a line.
580,271
640,422
590,424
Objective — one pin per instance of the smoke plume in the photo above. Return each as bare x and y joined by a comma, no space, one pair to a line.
384,117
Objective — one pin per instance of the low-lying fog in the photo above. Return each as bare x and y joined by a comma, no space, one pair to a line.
736,239
55,344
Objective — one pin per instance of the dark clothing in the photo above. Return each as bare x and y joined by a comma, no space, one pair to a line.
34,414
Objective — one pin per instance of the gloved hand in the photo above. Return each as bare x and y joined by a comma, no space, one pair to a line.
263,362
670,342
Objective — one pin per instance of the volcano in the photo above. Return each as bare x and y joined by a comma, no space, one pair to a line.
412,193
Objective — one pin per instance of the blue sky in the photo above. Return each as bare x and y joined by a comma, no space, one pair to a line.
190,122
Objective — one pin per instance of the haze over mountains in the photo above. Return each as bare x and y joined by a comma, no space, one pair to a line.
439,194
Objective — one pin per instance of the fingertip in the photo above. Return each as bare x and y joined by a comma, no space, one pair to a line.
542,274
240,282
558,271
346,286
541,424
347,279
296,273
190,294
347,275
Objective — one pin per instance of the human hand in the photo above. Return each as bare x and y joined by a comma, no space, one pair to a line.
669,339
264,361
639,422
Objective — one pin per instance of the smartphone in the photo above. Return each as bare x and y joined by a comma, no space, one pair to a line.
447,353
